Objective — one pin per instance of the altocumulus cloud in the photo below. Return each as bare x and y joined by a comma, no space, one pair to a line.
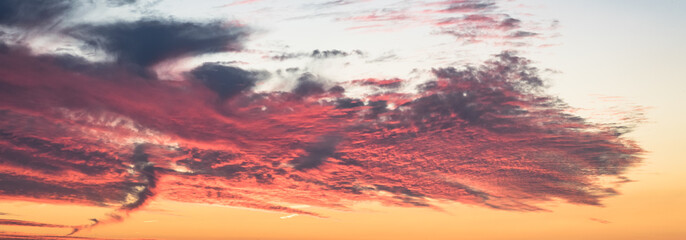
111,134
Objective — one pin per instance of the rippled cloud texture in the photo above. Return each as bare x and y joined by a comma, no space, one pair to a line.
111,132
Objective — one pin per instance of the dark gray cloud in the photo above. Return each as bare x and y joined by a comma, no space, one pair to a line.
348,103
521,34
317,153
485,97
392,83
308,84
117,3
376,108
36,13
510,23
318,54
146,170
337,89
144,43
333,53
33,13
226,81
469,6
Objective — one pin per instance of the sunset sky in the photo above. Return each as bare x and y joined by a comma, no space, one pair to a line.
342,119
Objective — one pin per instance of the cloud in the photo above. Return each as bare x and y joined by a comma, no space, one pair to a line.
510,23
383,15
240,2
117,3
226,81
333,53
479,27
520,34
337,3
381,83
485,135
147,42
308,84
473,21
318,54
15,236
348,103
13,222
75,131
468,6
44,13
603,221
316,153
32,13
147,172
30,224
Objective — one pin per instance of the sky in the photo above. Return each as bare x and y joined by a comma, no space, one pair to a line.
360,119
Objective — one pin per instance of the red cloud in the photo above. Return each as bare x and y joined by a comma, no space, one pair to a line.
486,136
